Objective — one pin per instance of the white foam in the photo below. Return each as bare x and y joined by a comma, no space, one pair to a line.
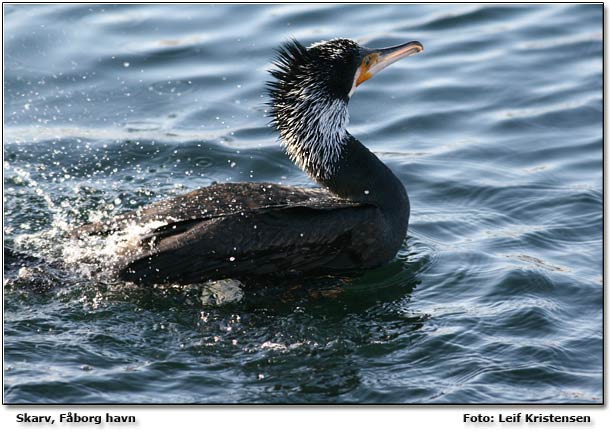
221,292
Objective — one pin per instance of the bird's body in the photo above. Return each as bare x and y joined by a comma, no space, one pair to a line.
358,219
247,230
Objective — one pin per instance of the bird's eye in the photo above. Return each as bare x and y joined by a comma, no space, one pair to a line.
367,61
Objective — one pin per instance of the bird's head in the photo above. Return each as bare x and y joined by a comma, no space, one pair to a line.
332,68
310,92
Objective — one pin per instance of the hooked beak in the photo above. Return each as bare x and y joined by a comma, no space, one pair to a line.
375,60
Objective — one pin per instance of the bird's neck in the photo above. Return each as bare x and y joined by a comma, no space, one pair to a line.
314,132
361,177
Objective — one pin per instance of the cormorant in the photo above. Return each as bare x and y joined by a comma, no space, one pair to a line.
357,220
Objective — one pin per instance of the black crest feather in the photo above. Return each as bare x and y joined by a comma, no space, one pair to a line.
290,58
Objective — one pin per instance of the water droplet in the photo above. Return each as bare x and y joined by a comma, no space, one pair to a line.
125,64
366,192
232,259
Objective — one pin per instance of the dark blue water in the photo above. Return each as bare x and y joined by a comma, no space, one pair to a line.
496,130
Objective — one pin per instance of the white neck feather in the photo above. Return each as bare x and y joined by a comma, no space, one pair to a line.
315,137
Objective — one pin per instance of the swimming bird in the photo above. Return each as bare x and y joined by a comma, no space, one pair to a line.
356,220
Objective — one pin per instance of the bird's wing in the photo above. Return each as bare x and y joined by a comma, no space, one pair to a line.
206,203
264,241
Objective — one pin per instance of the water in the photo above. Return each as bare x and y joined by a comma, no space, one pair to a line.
496,295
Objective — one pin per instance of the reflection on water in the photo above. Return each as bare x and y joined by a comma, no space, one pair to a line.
496,130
